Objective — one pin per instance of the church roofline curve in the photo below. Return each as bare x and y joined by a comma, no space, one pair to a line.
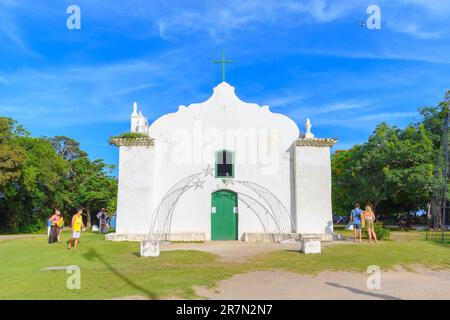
226,93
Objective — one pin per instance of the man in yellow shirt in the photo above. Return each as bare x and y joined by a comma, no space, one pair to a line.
77,226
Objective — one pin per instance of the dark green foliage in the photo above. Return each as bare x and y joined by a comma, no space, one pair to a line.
396,170
130,135
381,232
40,174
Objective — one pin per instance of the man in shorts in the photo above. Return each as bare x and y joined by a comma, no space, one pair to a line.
355,217
77,226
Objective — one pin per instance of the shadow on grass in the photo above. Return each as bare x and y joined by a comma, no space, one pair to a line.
94,255
361,292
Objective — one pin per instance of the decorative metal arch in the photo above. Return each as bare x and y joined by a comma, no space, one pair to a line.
278,208
161,223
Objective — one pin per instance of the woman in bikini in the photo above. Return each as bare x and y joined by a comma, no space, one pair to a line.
369,216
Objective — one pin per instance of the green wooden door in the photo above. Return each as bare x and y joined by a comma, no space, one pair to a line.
224,216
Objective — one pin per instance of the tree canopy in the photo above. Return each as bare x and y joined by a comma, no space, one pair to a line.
40,174
397,168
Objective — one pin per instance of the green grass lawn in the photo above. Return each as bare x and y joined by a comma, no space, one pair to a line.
112,269
357,257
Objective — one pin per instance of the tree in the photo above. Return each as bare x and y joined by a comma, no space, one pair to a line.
94,187
29,200
39,174
363,179
341,175
394,166
436,122
67,148
11,155
398,168
410,173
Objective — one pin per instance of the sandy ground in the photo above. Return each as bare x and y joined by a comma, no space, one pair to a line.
399,284
278,284
238,251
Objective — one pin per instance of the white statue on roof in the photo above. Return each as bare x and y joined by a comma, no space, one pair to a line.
139,123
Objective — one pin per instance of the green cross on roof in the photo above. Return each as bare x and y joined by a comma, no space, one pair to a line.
223,62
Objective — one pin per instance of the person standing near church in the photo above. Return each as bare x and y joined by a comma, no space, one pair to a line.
355,217
77,226
59,225
102,216
53,234
369,215
49,227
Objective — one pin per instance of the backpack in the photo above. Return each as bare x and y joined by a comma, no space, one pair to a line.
356,214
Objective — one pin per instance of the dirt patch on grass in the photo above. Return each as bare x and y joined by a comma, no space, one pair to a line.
278,284
238,251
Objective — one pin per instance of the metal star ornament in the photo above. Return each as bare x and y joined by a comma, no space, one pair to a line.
198,184
227,182
209,171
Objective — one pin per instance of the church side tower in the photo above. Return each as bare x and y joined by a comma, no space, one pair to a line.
313,185
136,180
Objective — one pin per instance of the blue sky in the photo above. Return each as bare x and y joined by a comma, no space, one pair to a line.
303,58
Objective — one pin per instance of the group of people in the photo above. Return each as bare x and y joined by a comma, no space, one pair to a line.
358,217
55,224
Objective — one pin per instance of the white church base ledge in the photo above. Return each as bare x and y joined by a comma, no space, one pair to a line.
311,245
177,237
246,237
150,248
268,237
283,237
323,237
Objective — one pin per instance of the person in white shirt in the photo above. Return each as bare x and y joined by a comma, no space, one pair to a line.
102,216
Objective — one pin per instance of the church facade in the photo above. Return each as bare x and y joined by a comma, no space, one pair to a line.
223,169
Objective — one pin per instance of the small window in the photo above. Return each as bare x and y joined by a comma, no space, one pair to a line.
224,164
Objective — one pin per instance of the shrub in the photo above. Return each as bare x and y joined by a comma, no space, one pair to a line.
381,232
130,135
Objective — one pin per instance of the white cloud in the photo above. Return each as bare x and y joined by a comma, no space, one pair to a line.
9,27
331,108
66,94
220,19
366,121
283,100
72,94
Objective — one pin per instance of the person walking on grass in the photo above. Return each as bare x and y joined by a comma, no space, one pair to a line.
355,217
369,215
77,226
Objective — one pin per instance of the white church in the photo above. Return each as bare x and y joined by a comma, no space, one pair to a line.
222,170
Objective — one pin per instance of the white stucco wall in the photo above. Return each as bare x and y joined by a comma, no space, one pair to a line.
313,189
136,187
